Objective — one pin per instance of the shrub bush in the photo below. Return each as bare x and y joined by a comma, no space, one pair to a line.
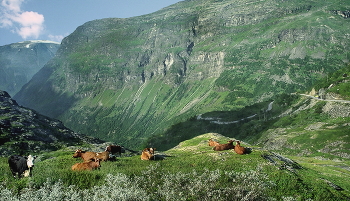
153,185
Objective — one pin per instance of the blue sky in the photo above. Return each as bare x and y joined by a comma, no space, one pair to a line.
22,20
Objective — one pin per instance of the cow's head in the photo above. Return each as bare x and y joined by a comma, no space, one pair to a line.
77,153
111,148
97,162
30,161
151,150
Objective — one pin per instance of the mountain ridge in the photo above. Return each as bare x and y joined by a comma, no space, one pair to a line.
127,79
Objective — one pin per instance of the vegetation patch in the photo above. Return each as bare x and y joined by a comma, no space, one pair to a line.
189,171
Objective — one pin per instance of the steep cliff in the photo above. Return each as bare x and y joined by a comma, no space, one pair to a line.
20,61
127,79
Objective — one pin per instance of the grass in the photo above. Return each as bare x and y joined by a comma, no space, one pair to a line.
331,169
191,171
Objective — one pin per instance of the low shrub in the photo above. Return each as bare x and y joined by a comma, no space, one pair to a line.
154,185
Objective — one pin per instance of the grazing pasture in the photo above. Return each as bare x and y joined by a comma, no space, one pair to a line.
192,170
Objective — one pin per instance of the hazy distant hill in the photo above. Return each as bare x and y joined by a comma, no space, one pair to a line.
125,80
20,61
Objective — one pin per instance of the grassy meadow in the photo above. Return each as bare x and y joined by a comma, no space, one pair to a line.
189,171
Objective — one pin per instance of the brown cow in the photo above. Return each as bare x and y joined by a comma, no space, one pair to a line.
222,147
148,154
91,165
239,149
212,143
103,156
114,149
85,155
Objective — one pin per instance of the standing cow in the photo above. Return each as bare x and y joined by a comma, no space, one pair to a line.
21,165
113,149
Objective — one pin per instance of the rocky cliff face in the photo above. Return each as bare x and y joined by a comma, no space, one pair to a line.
25,131
127,79
20,61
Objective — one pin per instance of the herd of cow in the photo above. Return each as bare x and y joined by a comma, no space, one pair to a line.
229,145
21,165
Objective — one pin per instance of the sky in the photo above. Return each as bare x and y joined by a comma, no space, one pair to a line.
22,20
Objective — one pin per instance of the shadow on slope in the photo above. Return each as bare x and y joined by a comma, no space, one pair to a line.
47,100
245,124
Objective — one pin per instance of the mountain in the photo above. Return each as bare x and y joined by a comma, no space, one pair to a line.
125,80
299,151
24,131
20,61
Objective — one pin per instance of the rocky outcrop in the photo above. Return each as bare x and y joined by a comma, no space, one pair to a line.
344,14
25,131
337,109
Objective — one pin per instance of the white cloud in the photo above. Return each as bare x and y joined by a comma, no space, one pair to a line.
12,5
57,38
27,24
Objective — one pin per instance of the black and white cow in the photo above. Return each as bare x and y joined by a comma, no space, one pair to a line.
21,165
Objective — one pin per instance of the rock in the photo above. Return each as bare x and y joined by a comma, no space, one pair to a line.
25,131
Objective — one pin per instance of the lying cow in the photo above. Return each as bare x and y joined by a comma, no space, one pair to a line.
148,154
239,149
21,165
85,155
222,147
91,165
212,143
103,156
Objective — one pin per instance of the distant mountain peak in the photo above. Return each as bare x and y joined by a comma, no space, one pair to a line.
20,61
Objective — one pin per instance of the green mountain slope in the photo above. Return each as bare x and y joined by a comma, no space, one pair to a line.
309,123
124,80
312,131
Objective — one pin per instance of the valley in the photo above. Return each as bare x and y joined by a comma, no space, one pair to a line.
271,74
125,80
